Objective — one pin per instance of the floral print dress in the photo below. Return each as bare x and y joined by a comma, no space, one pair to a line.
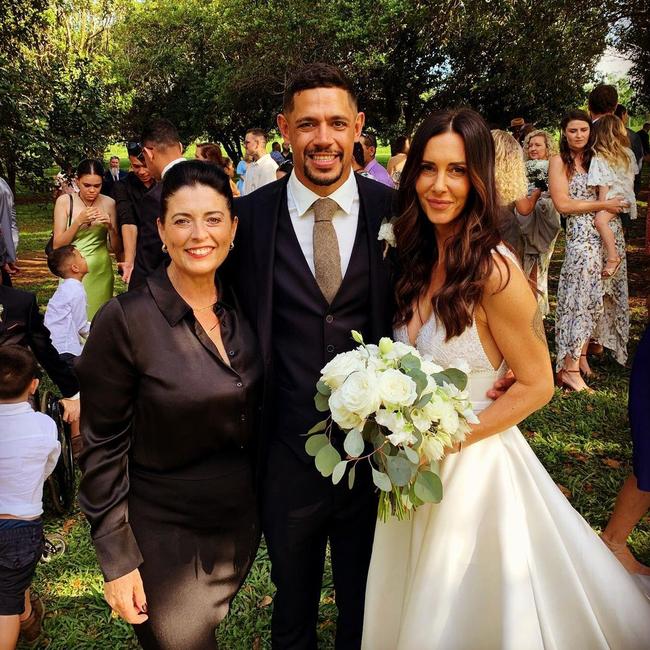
588,305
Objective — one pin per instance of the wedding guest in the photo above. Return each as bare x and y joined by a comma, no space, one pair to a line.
612,171
371,164
587,304
28,454
89,221
644,136
210,152
503,561
358,161
170,380
129,196
541,228
284,169
512,188
112,175
516,126
229,168
242,165
602,100
286,151
162,150
633,500
399,149
261,170
635,145
8,234
276,153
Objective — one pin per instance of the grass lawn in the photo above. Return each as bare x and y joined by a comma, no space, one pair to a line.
583,441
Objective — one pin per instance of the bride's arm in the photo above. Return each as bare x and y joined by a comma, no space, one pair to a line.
516,325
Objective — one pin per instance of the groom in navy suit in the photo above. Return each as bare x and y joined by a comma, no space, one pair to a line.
308,269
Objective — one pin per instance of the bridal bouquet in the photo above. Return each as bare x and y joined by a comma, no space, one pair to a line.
405,408
537,174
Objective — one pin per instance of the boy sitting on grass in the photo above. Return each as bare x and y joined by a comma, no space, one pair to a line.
66,316
29,450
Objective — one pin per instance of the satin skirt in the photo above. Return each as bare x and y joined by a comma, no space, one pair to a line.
503,562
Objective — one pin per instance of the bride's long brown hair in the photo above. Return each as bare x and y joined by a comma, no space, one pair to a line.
469,253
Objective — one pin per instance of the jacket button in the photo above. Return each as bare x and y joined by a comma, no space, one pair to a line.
329,318
330,348
239,384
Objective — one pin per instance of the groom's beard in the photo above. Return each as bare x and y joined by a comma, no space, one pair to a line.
323,178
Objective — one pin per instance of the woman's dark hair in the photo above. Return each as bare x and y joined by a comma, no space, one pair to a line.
469,259
17,369
565,152
191,173
398,145
212,153
90,167
357,154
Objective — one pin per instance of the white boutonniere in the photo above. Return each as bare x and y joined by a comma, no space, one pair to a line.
387,234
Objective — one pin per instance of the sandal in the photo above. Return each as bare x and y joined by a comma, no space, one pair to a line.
610,272
563,383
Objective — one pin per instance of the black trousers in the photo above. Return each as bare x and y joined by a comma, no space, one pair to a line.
301,511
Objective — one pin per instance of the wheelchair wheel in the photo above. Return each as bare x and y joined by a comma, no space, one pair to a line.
53,546
61,481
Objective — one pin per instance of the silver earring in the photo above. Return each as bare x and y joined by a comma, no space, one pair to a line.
164,248
232,245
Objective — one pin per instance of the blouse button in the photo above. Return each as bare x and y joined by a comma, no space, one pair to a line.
239,384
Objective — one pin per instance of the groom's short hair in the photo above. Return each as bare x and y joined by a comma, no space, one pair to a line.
316,75
603,99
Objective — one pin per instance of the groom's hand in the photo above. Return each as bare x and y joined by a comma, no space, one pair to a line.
500,386
126,597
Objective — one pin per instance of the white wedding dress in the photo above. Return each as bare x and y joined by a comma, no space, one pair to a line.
504,561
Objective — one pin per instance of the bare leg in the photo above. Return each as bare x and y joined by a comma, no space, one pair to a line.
601,222
631,505
570,376
9,631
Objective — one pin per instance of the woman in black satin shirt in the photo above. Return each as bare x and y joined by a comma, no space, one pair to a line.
170,381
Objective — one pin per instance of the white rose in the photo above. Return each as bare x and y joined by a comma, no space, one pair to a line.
359,393
345,418
420,420
436,407
340,367
400,350
429,368
387,234
396,388
395,422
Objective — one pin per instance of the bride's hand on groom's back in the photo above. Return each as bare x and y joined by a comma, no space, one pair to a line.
500,386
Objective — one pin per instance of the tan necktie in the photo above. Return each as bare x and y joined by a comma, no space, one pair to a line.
327,258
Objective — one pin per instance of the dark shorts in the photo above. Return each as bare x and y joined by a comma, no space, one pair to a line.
21,546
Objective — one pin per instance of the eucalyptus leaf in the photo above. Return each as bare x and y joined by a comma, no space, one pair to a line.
456,377
351,475
419,378
412,455
399,470
410,362
338,472
321,426
322,402
423,401
428,487
327,459
315,443
381,480
353,443
323,388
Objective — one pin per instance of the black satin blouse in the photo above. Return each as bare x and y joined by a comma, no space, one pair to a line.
157,397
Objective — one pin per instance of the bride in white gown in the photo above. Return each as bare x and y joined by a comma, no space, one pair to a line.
504,561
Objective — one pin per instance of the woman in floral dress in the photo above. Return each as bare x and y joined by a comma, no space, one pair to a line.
588,305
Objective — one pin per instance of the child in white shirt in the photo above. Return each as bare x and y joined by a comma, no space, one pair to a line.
29,450
612,170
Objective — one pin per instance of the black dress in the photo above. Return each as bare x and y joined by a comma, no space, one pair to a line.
167,483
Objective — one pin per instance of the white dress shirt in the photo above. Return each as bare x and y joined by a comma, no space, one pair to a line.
168,166
345,220
258,173
29,450
66,318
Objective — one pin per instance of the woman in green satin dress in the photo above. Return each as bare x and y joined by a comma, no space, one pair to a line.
90,223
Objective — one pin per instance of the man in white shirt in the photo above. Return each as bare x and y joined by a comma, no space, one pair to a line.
261,170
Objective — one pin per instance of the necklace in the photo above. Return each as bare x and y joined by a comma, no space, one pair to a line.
88,206
195,309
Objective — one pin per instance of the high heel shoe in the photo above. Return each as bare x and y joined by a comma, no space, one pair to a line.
561,381
611,272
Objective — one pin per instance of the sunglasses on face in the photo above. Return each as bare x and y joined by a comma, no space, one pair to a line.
136,150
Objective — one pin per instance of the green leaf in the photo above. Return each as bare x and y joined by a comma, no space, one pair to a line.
323,388
414,497
338,472
428,487
423,401
456,377
315,443
412,455
357,336
321,426
410,362
419,378
326,459
322,402
381,480
351,475
353,443
399,470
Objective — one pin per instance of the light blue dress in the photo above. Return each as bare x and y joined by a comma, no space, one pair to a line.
241,172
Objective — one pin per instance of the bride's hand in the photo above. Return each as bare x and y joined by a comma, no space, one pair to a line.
501,386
